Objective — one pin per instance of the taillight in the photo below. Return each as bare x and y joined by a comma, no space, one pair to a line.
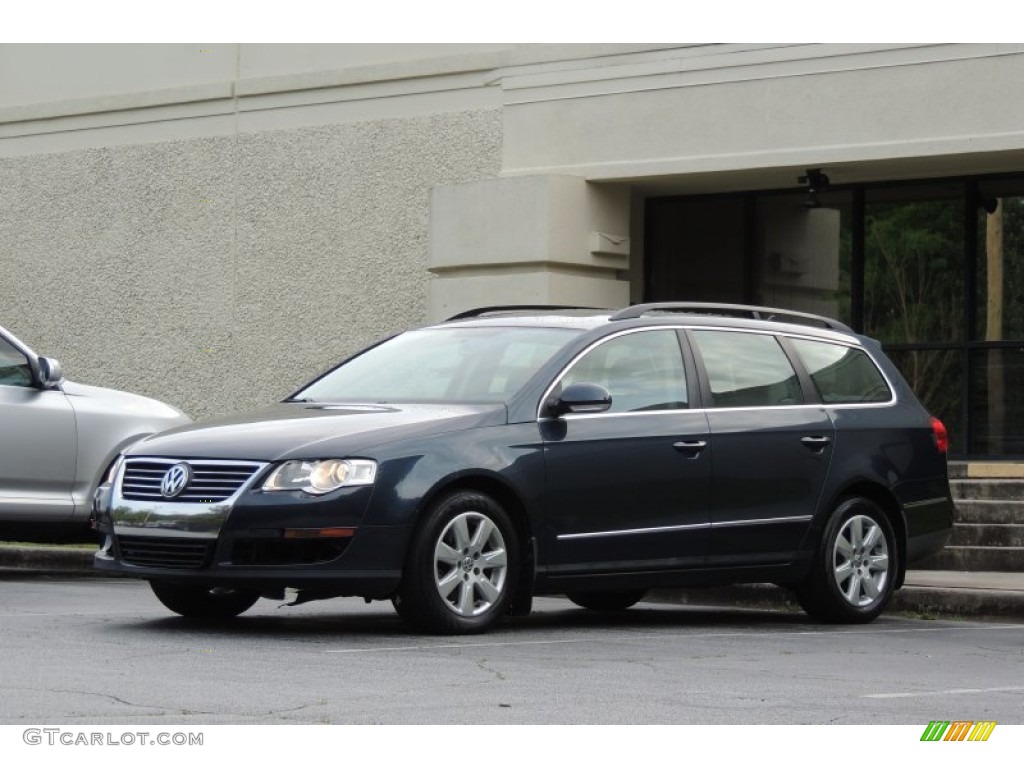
941,436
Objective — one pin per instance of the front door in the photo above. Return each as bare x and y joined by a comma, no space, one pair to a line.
628,489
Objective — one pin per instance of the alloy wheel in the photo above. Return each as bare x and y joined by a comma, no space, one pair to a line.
470,564
860,561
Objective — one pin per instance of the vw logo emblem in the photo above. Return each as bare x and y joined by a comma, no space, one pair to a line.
176,480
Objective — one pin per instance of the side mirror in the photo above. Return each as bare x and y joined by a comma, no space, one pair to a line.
50,372
580,398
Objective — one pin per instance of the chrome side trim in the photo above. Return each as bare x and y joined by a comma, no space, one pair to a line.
763,521
631,531
737,409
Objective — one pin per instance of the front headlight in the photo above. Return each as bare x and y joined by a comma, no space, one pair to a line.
320,477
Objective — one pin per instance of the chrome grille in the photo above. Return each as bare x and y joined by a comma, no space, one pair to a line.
165,553
211,482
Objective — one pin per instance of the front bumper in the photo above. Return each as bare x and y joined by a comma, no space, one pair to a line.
369,565
257,540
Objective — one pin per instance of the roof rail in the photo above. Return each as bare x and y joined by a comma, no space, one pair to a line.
732,310
514,308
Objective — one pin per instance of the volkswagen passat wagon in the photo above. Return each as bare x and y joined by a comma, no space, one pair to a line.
460,469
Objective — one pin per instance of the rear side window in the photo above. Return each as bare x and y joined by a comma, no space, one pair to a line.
842,374
747,370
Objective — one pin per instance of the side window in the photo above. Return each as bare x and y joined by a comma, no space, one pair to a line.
642,371
14,370
842,374
747,370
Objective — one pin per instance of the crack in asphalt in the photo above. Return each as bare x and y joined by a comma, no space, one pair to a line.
110,696
482,664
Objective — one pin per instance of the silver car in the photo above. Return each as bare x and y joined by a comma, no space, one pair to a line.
57,441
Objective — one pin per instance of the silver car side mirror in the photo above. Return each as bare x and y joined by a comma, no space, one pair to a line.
50,372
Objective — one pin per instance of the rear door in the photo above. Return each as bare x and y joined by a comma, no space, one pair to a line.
772,447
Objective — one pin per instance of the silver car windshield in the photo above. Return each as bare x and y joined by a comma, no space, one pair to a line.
443,365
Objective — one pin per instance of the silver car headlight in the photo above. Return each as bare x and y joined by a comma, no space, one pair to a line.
320,477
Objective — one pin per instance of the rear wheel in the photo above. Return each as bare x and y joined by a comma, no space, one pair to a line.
854,570
608,600
201,602
462,565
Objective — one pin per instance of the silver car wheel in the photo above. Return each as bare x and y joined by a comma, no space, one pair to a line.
860,561
470,564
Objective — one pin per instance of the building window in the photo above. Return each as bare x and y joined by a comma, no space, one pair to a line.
931,269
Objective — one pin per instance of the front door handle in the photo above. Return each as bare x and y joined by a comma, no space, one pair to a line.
816,443
691,448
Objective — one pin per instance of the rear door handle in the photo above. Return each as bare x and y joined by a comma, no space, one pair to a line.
816,443
691,448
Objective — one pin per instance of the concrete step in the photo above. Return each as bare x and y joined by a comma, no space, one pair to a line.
957,469
974,558
987,535
994,511
986,469
1005,490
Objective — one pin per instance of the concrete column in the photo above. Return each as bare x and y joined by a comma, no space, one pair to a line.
528,240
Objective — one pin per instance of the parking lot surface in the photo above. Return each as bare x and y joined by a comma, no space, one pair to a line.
104,651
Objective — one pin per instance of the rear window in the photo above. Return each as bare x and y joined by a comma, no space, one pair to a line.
747,370
842,374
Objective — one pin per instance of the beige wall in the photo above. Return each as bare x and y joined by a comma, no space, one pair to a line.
218,274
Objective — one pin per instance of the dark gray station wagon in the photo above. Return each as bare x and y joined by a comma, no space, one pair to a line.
460,469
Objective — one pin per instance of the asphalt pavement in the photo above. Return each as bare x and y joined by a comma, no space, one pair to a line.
94,651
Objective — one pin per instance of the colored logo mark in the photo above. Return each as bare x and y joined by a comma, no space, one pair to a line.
958,730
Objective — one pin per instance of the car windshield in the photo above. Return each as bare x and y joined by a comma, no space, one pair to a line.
442,365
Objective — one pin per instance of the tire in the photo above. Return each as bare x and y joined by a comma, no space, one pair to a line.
854,570
462,567
199,602
608,600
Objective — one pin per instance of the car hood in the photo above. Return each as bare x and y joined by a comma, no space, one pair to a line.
314,430
85,396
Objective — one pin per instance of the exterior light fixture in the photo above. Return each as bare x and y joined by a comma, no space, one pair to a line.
816,182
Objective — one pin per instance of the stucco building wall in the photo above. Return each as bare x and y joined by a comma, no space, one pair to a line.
218,273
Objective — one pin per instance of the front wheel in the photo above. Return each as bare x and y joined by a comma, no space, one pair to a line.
200,602
854,570
608,600
462,566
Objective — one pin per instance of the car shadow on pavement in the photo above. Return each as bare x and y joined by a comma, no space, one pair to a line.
550,620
